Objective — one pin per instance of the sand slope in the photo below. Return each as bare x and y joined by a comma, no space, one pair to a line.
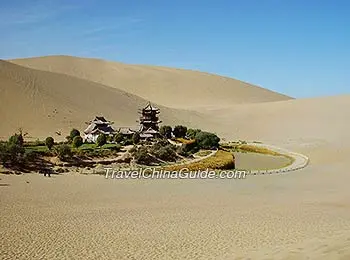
166,86
300,215
315,126
44,102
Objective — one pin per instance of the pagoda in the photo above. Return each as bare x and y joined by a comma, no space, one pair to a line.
149,121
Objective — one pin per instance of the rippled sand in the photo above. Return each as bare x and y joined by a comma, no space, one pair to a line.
288,216
300,215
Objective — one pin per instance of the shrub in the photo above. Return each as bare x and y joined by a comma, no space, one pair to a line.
73,133
191,133
159,144
101,140
118,138
16,139
136,138
166,153
142,156
163,150
29,155
77,141
180,131
166,131
4,155
207,140
12,152
188,149
127,142
49,142
63,151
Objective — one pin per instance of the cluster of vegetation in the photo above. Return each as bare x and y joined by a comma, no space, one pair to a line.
163,150
193,140
166,131
74,146
63,151
222,160
160,150
15,151
204,140
12,152
142,155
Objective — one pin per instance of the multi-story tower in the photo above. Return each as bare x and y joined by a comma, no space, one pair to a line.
149,121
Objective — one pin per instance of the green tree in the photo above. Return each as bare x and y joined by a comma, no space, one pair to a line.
180,131
166,131
101,140
49,142
12,152
77,141
136,138
191,133
207,140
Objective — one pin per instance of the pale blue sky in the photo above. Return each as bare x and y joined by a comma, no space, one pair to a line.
300,47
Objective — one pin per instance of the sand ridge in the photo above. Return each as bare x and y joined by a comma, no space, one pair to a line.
301,215
43,103
166,86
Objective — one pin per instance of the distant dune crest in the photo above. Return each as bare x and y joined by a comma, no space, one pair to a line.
170,87
53,94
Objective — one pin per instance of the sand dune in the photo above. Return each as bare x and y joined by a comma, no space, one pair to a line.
315,126
167,86
300,215
44,102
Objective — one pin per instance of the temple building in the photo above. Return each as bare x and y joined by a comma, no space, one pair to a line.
149,121
127,131
96,127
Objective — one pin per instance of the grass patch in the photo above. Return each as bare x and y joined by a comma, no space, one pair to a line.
37,148
94,150
87,146
92,147
256,149
220,161
246,148
185,141
203,153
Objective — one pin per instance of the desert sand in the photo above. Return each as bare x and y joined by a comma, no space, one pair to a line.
165,86
299,215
